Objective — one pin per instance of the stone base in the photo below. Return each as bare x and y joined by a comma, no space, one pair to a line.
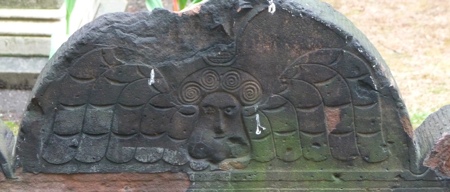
96,182
180,182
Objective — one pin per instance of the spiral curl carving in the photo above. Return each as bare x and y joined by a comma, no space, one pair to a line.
210,80
191,92
250,92
231,80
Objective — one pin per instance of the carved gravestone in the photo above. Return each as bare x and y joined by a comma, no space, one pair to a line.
234,96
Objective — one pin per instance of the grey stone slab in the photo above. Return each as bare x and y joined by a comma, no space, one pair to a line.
33,14
24,46
22,64
31,4
19,73
29,27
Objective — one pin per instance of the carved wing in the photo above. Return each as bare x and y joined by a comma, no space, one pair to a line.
337,106
106,107
280,137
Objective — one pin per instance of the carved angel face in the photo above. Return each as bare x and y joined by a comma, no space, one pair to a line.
219,132
219,95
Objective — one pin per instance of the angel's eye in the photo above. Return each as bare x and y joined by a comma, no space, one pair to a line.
230,110
209,110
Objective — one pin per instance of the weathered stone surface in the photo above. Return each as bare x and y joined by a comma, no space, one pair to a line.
433,141
237,97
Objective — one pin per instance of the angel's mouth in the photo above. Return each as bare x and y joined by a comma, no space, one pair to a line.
217,148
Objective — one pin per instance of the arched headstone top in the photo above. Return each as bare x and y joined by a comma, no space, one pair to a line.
225,92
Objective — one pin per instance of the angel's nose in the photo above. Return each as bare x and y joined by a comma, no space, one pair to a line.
220,125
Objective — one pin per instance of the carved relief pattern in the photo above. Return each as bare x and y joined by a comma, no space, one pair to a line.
330,108
233,81
210,80
190,93
251,92
338,112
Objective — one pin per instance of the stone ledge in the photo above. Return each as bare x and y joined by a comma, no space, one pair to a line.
36,14
32,4
22,64
30,28
24,46
20,73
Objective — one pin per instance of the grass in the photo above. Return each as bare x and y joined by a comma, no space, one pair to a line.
13,126
417,117
414,39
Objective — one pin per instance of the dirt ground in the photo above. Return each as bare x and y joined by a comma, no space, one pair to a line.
414,39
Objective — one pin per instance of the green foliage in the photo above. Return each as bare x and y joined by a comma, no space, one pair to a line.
179,4
182,4
70,4
152,4
418,117
13,126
